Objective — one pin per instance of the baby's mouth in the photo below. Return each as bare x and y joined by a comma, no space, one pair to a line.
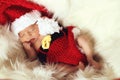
32,40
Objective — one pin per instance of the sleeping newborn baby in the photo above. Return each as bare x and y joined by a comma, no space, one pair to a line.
42,37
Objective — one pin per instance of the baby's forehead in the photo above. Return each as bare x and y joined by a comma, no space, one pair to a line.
33,26
29,28
25,30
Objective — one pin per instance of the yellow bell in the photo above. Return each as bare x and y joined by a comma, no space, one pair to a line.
46,42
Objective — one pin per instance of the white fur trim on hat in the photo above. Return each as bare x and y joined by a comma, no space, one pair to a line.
46,25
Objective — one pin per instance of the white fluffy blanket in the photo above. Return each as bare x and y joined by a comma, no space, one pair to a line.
100,17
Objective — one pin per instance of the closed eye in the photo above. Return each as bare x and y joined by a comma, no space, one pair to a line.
31,30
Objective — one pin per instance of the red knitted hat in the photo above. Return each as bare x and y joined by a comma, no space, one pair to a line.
12,9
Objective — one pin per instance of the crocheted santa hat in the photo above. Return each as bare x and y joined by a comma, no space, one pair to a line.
22,13
12,9
46,25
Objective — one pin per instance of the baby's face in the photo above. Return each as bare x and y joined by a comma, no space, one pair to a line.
29,33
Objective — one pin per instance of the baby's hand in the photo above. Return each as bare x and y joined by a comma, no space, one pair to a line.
27,45
30,51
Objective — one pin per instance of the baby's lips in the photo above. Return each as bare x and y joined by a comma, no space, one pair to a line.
32,40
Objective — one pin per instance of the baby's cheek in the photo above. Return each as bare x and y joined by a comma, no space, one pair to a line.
35,34
22,39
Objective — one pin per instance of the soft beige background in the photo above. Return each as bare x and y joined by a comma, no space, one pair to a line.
100,17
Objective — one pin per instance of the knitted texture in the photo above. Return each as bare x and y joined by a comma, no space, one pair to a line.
12,9
64,50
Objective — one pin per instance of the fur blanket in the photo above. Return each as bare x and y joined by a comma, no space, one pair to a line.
99,17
